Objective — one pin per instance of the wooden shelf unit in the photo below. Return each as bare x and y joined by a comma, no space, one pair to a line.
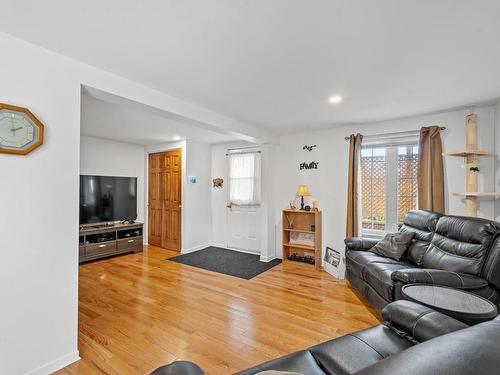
471,156
465,153
476,194
101,241
302,222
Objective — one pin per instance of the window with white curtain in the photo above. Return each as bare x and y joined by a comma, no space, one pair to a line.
244,178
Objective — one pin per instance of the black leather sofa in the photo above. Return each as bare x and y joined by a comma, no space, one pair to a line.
455,251
414,340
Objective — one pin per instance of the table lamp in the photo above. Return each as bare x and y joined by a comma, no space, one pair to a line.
302,191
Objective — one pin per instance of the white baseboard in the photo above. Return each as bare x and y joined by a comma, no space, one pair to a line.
221,245
56,364
267,258
196,248
234,249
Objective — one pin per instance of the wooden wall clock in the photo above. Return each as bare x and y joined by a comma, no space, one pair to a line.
20,131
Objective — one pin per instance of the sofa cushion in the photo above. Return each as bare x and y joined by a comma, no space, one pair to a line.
473,350
302,362
418,322
359,243
378,276
353,352
491,269
358,260
393,245
179,367
371,295
423,224
460,244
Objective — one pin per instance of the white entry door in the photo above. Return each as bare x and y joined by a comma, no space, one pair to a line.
244,228
244,211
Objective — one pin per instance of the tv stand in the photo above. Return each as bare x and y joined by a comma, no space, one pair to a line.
109,239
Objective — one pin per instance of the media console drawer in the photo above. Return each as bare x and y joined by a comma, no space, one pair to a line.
130,244
100,248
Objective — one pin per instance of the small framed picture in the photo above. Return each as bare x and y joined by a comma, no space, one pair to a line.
332,257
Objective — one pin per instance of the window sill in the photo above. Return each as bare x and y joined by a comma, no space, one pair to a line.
373,234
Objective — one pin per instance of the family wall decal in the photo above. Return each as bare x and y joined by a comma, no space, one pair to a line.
309,165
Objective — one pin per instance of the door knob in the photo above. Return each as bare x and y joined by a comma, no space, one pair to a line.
229,205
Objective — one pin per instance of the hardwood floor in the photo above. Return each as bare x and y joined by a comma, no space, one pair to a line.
138,312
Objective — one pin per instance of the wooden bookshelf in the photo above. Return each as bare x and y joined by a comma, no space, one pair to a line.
307,223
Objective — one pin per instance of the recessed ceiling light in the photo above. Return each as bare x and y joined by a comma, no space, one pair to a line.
335,99
176,137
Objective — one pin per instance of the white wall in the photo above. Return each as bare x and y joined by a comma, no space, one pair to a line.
39,219
269,180
198,228
103,157
328,183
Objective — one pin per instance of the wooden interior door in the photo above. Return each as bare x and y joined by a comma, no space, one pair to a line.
165,179
171,213
155,201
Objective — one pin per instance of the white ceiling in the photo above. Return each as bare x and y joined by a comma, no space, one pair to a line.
128,122
275,62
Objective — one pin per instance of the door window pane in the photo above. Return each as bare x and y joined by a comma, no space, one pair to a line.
407,180
244,178
373,175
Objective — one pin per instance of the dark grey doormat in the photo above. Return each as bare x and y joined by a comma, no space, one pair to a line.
229,262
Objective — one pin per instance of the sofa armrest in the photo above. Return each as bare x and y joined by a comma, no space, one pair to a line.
179,368
359,243
418,323
438,277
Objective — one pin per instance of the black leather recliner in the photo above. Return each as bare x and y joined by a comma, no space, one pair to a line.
456,251
414,340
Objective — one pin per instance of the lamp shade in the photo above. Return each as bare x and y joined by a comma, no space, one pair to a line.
303,191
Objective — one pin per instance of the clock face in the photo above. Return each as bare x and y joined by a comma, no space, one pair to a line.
20,131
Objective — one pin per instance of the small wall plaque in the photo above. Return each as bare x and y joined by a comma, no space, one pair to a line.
218,182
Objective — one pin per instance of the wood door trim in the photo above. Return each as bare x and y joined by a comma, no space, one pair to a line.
154,203
170,214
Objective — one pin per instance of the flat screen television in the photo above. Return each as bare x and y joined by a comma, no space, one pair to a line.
107,198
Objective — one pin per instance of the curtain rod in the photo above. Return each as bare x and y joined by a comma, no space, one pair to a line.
242,148
392,134
243,152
